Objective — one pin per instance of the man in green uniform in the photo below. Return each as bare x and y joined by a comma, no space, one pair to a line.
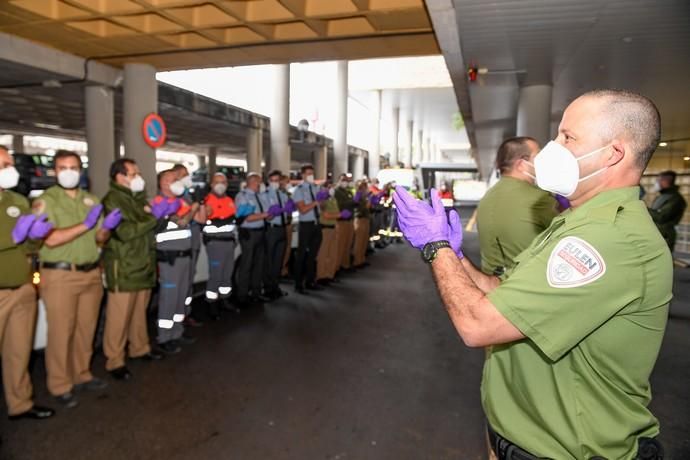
344,227
668,208
130,268
17,295
513,211
577,325
71,285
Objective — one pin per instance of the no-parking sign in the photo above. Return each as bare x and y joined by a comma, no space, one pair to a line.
154,130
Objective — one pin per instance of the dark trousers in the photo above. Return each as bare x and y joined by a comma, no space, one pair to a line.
307,250
251,266
275,251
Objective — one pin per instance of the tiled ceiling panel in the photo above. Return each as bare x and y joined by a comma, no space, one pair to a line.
95,29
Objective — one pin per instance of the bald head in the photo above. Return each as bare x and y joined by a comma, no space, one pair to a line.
631,117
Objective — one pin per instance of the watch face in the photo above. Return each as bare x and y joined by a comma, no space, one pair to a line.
428,252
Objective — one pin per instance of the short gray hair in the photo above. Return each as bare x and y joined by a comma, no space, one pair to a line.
633,116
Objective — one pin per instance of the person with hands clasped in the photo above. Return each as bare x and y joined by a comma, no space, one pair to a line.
575,327
327,261
18,227
71,284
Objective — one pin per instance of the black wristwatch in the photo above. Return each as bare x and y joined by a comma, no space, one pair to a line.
430,250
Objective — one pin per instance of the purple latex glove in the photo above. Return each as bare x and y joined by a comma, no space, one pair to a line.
173,207
357,197
563,202
93,215
274,211
160,209
322,195
420,222
455,236
22,227
40,228
345,214
290,207
112,220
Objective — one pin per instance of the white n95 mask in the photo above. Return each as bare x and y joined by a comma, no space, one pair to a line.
137,184
557,169
187,181
9,177
220,189
177,188
68,178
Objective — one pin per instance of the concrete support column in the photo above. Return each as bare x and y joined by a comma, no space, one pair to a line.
255,150
100,136
212,161
534,112
408,143
395,128
321,162
375,150
418,154
358,168
18,143
280,121
140,99
340,137
427,149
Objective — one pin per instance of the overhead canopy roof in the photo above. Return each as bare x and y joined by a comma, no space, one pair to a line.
575,46
181,34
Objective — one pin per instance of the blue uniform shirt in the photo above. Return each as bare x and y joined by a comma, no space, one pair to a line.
301,193
278,197
248,196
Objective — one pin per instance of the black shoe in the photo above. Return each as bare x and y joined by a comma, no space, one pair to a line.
95,384
277,294
67,400
323,281
365,264
314,287
191,322
35,413
260,298
152,355
121,373
186,340
170,347
227,306
301,290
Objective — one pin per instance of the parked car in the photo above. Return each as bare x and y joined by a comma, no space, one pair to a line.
36,172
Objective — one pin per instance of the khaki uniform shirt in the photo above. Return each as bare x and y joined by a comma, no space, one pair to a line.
511,213
329,206
591,294
64,212
14,264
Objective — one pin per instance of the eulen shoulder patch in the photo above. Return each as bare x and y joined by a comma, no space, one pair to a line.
574,262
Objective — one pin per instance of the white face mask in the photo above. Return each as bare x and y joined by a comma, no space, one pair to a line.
9,177
656,188
68,178
343,184
187,181
177,188
309,179
557,169
137,184
274,185
220,189
331,192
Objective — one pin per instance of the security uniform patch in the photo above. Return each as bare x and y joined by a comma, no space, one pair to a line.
13,211
574,262
88,202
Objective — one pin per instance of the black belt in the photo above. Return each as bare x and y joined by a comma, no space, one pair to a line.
260,229
344,220
275,225
218,237
310,222
506,450
70,267
165,253
327,226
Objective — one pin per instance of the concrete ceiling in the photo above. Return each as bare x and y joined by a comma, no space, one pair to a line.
183,34
641,45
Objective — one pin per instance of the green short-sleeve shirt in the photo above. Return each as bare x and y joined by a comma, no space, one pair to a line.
509,216
591,295
64,212
329,206
14,264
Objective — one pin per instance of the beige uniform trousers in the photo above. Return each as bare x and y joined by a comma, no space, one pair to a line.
125,321
288,249
345,232
17,322
327,260
362,226
72,300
